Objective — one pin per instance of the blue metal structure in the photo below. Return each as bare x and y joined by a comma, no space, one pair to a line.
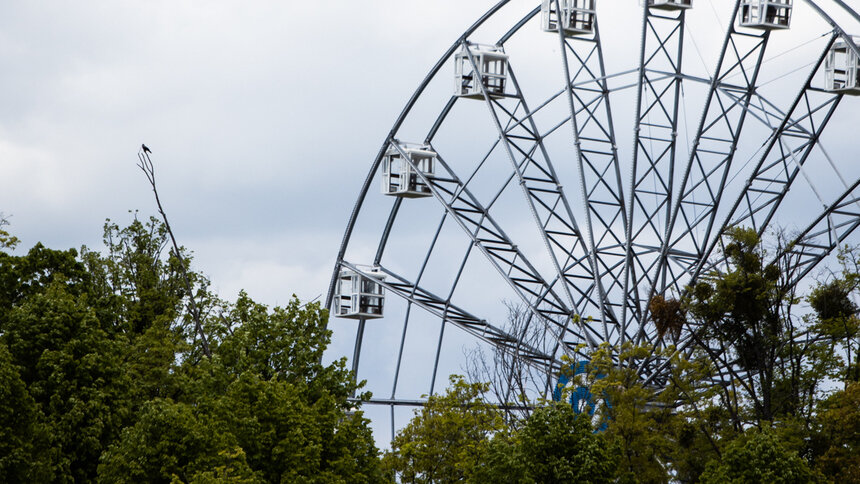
581,398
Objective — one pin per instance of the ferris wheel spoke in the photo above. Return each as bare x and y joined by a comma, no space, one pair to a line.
779,166
654,147
597,158
822,236
418,278
475,219
453,314
543,193
714,147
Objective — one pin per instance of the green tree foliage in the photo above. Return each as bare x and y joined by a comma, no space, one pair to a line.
7,241
291,438
836,313
759,457
554,445
634,413
500,462
743,309
445,439
840,430
657,435
73,369
777,362
170,441
558,445
103,377
23,437
459,437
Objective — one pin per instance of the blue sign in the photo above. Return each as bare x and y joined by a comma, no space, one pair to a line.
581,397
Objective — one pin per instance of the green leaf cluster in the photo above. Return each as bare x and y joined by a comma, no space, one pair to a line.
759,456
459,437
445,440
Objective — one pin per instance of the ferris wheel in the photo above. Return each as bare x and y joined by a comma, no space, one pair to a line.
577,158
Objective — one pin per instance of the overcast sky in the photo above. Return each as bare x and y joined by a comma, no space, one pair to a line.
263,118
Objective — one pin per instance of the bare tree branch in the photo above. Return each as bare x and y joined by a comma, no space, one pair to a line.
515,384
148,169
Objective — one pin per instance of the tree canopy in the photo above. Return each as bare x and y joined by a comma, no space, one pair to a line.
103,377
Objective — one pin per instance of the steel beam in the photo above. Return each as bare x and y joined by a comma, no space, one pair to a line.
653,164
597,158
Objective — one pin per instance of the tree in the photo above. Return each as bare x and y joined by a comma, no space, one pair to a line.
500,461
559,445
758,457
265,399
840,430
23,437
743,313
24,276
637,420
138,285
105,368
653,431
289,439
444,441
555,445
7,241
513,381
171,441
55,322
772,362
73,369
837,314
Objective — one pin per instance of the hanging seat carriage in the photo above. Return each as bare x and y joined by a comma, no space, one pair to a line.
359,295
480,67
401,177
766,14
576,17
842,68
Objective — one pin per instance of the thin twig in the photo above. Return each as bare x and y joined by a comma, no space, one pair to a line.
148,169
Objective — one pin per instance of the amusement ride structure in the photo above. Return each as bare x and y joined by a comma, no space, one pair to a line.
527,169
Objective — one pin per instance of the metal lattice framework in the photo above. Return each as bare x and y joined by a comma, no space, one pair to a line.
584,262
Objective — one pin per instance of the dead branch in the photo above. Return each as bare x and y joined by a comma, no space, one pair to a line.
148,169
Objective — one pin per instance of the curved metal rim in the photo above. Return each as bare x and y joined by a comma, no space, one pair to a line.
400,119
